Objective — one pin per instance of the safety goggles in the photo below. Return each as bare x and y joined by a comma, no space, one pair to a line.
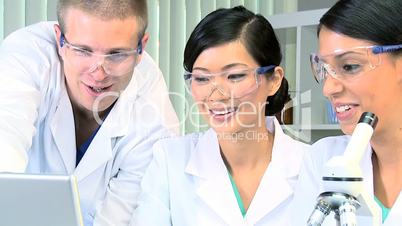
348,64
234,83
115,64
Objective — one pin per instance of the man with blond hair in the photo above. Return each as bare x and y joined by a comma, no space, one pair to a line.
82,97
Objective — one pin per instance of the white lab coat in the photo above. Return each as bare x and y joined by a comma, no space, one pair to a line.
187,183
37,122
310,183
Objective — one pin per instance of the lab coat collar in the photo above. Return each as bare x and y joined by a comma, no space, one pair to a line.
213,181
275,186
118,120
283,153
273,190
395,215
63,132
213,185
367,169
99,152
207,147
204,155
116,124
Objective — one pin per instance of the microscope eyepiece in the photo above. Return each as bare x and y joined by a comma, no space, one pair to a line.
369,118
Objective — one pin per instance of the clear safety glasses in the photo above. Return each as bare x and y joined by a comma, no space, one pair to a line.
350,63
115,64
234,83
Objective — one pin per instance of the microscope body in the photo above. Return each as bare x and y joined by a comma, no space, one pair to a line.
346,193
343,183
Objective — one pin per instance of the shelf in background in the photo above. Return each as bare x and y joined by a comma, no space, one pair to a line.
294,19
312,127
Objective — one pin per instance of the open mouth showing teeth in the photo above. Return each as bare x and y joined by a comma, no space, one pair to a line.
97,89
224,112
343,108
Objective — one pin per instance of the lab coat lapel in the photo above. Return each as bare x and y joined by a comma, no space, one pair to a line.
101,148
395,215
275,186
367,170
272,191
97,154
213,184
63,131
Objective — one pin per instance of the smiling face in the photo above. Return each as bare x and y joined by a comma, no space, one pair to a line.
86,87
378,90
223,112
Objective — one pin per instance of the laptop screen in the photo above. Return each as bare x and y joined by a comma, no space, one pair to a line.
39,200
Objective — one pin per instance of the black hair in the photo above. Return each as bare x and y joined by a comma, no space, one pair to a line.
252,30
378,21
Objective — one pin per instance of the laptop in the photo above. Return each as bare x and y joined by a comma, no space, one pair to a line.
39,200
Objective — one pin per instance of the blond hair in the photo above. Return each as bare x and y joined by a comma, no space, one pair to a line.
107,9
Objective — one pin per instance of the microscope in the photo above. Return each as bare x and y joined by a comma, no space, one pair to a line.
343,182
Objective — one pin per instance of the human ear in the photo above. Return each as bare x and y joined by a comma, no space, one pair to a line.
143,42
275,80
57,30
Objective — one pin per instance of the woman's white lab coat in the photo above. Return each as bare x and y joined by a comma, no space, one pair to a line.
310,183
36,110
187,183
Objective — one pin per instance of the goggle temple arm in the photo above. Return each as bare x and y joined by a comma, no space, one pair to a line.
386,49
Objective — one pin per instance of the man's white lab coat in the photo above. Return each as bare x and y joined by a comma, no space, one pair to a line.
37,124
